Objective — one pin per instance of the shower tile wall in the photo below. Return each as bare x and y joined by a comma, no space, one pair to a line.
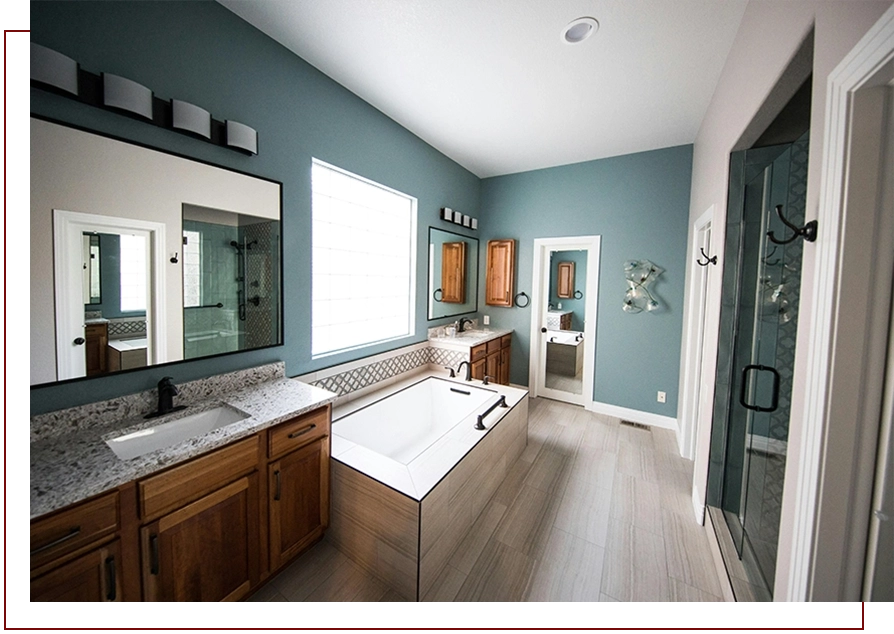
211,330
261,270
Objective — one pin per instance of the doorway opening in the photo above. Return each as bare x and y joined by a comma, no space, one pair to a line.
563,322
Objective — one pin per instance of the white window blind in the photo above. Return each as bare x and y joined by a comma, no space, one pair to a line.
364,261
134,272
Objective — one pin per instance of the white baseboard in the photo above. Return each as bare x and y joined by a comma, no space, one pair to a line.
633,415
698,506
768,445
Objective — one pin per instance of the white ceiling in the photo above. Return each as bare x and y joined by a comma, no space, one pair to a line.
491,83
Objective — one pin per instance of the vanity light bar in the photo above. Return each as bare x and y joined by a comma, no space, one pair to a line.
458,218
53,71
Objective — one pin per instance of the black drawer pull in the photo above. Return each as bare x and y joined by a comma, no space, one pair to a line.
278,491
74,532
301,432
153,554
112,592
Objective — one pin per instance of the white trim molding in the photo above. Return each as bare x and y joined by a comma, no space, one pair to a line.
633,415
839,381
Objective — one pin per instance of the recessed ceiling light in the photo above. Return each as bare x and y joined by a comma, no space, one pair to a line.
578,30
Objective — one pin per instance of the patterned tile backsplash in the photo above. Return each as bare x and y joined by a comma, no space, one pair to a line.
355,379
127,327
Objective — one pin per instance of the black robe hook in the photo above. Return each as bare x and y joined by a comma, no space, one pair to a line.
808,231
707,261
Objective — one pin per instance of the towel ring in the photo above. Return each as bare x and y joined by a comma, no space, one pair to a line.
527,300
435,295
578,295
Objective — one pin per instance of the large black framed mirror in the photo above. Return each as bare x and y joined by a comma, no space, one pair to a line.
452,274
190,256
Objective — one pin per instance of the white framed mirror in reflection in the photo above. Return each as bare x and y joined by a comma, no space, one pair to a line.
452,274
155,297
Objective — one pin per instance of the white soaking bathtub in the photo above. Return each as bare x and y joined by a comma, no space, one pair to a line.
403,425
410,473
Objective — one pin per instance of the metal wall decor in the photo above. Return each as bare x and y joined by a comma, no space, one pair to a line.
640,274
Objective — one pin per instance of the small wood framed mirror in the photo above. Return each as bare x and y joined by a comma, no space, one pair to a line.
565,282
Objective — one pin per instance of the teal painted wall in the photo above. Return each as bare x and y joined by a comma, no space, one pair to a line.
639,204
202,53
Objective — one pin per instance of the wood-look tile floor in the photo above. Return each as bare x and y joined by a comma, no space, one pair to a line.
592,511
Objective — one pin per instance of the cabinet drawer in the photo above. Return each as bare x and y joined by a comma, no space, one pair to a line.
505,341
493,346
479,352
297,432
73,528
183,484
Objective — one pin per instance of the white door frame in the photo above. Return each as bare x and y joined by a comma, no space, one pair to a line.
826,482
539,297
692,414
68,229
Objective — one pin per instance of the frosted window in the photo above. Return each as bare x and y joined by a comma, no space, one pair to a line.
134,272
364,262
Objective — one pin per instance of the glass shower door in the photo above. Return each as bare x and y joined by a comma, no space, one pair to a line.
761,288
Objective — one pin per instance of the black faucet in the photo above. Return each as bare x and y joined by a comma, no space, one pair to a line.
468,369
166,393
462,325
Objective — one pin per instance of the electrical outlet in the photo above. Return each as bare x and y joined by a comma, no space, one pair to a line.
487,320
662,397
560,305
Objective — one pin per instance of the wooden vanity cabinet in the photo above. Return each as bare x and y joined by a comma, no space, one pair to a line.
297,485
500,280
492,359
94,576
207,550
75,555
97,339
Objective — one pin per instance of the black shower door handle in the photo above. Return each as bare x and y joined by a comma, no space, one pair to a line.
774,403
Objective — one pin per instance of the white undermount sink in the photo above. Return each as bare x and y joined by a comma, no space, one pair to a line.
143,441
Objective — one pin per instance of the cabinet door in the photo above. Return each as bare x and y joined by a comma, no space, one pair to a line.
91,577
500,280
205,551
565,283
493,366
453,272
298,485
97,336
504,366
479,368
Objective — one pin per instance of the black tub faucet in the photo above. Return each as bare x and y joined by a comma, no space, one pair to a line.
468,369
166,393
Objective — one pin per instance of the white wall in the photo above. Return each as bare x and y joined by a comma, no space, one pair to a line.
770,34
66,165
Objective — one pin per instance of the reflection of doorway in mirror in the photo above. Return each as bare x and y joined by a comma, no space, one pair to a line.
566,315
116,332
563,324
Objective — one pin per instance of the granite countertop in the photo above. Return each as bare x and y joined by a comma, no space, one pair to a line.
77,464
469,339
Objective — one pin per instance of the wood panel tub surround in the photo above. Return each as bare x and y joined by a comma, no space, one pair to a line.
405,542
